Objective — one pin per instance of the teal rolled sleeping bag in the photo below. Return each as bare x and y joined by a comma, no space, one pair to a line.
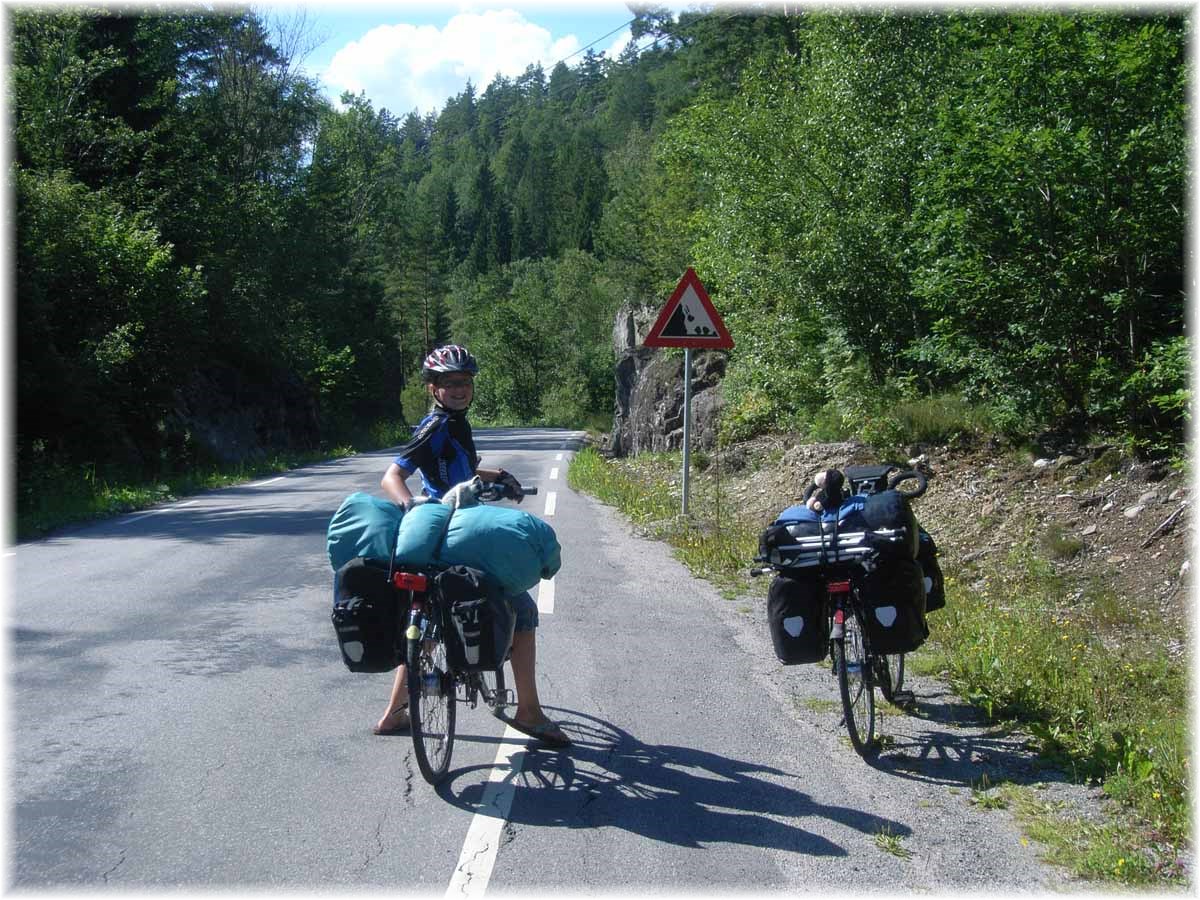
514,547
421,533
364,526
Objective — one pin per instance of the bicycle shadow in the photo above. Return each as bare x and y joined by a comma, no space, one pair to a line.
671,794
945,740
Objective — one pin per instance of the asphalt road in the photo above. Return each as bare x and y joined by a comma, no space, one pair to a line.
180,717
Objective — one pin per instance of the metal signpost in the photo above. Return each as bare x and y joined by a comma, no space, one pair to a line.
690,321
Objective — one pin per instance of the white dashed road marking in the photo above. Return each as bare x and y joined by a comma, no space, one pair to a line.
154,511
545,600
551,502
474,869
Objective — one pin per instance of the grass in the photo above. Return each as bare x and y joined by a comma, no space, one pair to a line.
712,540
1013,644
1105,852
62,495
889,842
985,796
50,495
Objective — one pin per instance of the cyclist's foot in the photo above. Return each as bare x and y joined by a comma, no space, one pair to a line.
546,731
394,722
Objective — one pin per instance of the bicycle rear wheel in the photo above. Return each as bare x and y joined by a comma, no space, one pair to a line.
855,684
891,675
431,707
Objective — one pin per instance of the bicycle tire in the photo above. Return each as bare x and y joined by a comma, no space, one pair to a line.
891,675
431,707
856,684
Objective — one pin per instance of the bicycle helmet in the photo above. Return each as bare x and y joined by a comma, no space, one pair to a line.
451,358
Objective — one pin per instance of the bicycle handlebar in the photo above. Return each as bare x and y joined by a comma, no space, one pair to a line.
494,490
909,475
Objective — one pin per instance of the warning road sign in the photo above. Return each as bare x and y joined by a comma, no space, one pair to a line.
689,319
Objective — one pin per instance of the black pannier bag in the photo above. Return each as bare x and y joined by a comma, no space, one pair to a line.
796,617
935,586
894,599
367,617
481,620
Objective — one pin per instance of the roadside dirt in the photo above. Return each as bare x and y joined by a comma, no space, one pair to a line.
1106,524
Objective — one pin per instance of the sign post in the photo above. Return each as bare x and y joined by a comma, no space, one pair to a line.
689,320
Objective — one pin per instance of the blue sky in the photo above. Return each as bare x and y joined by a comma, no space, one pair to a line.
408,55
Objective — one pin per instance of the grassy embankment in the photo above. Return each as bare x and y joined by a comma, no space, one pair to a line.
50,495
1114,717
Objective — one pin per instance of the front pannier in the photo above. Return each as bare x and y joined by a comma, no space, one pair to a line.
366,617
797,620
481,620
894,599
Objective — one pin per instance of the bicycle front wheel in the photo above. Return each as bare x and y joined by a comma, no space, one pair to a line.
431,707
855,684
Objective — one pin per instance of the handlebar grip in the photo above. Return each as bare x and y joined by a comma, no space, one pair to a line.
528,491
906,475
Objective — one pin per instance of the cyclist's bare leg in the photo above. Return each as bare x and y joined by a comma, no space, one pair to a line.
396,714
524,667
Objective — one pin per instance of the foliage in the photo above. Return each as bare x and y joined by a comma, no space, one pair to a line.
990,204
890,210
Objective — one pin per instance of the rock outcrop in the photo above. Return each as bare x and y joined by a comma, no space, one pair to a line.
230,417
648,413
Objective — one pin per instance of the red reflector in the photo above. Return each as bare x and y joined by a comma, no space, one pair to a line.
406,581
838,587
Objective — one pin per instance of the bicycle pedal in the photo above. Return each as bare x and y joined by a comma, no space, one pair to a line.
903,698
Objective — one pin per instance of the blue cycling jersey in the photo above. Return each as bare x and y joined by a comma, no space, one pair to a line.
442,450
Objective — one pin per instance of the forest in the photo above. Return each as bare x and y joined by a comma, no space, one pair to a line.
957,207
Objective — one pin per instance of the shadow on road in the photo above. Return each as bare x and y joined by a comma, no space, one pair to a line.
945,740
677,795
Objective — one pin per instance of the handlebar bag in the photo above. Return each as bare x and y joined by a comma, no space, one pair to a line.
797,621
891,510
366,617
935,585
481,620
893,595
364,526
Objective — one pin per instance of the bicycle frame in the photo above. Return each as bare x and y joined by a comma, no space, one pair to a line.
427,621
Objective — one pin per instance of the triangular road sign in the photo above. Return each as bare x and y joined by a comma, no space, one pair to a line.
689,319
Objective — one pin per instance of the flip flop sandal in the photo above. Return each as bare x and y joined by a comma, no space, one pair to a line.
401,728
545,732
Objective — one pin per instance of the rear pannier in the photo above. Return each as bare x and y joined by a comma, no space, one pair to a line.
935,587
797,620
893,594
480,630
366,617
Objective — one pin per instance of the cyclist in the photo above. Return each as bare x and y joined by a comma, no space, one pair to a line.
443,451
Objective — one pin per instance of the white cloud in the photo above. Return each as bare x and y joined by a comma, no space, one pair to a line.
406,67
614,51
